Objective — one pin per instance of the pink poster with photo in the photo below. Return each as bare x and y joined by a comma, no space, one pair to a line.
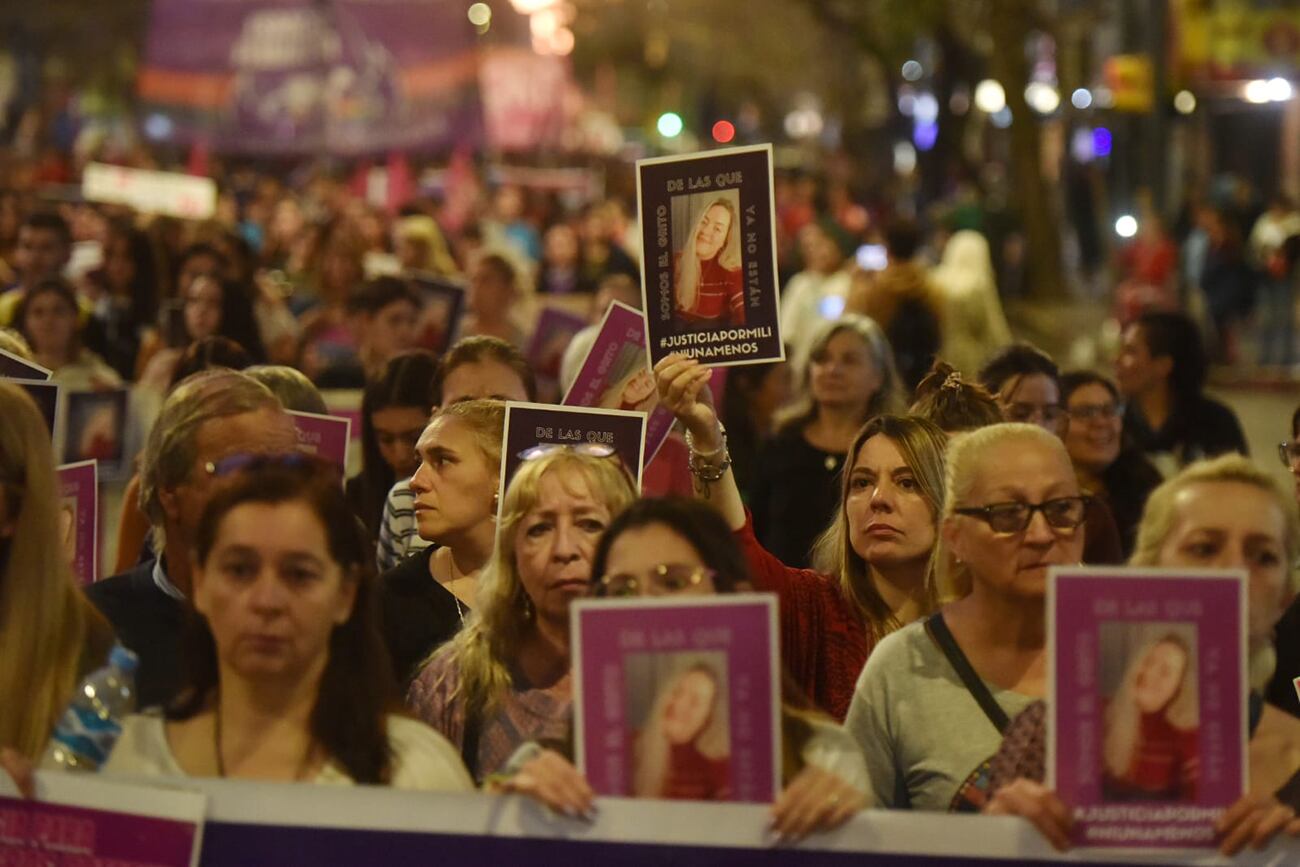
324,435
678,698
79,518
1147,723
616,375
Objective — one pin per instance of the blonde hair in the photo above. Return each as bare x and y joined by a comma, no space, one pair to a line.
922,445
437,256
652,748
1161,514
1124,718
485,419
484,651
688,266
14,343
43,617
966,460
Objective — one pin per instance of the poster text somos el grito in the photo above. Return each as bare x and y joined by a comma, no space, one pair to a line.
708,263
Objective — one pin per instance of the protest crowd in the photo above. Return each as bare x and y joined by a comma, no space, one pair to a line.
901,483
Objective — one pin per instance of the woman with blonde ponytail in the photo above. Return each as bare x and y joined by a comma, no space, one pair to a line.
49,635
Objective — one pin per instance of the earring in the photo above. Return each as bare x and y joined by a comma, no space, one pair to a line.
525,605
496,500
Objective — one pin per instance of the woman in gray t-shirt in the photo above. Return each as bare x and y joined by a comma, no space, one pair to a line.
934,697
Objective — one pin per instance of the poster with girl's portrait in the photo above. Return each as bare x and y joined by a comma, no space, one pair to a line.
93,430
1147,703
553,333
708,263
616,375
442,309
79,518
678,698
537,429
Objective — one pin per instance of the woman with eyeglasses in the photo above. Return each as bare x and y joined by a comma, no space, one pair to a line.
427,598
1027,385
504,680
288,678
1108,468
1224,513
934,697
874,565
681,548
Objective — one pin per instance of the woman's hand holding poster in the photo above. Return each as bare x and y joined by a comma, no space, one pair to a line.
1147,732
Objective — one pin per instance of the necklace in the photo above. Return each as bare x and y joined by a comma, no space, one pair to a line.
221,762
452,578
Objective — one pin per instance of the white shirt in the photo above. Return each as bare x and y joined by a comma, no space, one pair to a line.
423,760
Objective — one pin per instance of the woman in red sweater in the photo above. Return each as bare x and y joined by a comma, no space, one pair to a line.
710,292
876,563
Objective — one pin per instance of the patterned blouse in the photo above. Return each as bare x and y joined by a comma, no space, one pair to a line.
525,713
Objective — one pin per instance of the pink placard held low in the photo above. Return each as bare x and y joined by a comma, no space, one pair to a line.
1147,707
79,518
678,698
324,435
79,819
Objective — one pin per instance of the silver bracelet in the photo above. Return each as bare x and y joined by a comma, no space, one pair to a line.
704,466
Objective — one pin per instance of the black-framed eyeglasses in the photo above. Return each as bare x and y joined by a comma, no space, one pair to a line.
1061,513
591,450
664,579
1096,411
244,461
1289,453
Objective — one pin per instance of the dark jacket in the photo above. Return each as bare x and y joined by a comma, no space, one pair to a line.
416,614
1195,429
148,622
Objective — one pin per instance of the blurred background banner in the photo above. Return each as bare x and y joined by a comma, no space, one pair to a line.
1235,40
312,77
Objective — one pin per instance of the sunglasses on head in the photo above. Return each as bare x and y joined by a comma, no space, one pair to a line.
591,450
247,462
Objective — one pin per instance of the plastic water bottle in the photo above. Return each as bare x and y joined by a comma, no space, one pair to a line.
85,734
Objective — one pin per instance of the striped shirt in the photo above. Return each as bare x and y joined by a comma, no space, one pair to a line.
399,534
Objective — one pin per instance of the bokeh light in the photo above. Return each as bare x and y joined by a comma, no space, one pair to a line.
670,124
1126,226
990,98
480,14
724,131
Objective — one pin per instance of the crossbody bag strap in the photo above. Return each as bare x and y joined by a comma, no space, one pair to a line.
469,740
942,636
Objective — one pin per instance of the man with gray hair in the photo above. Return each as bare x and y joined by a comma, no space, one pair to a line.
209,418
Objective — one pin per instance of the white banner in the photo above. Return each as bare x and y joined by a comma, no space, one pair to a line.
168,193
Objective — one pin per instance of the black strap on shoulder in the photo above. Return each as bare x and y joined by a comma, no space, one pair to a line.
943,637
469,742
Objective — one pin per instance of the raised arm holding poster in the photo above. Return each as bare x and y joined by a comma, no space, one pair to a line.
1147,702
708,263
678,698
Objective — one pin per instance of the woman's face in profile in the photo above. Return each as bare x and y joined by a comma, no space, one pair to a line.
1160,673
713,231
689,707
